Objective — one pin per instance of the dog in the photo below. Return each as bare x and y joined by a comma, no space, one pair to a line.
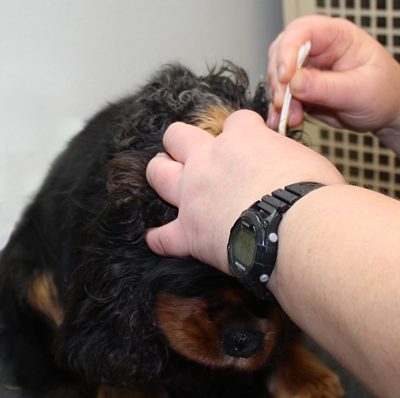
90,311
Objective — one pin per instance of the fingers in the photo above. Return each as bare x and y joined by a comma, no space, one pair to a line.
330,89
330,39
282,65
168,240
283,57
182,140
336,45
276,87
162,174
163,171
295,117
333,90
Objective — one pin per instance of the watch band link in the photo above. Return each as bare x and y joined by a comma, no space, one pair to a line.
283,199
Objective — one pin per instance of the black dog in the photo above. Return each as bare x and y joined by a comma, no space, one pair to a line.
91,311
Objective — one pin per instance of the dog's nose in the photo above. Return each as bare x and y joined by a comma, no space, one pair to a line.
240,343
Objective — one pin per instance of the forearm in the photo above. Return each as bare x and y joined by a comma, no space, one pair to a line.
336,286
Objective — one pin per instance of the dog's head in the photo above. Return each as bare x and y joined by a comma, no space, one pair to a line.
174,94
135,309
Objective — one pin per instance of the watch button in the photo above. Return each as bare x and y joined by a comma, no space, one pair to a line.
273,237
264,278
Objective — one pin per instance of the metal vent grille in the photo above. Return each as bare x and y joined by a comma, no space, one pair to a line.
361,158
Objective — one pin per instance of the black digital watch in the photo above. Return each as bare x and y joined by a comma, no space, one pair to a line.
253,242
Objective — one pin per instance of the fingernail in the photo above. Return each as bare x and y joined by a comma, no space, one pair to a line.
281,71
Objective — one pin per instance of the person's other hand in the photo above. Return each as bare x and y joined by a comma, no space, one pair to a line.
350,80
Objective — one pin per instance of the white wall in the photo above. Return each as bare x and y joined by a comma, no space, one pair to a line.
62,60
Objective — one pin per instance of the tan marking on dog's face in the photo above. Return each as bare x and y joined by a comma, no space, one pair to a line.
194,327
212,119
42,295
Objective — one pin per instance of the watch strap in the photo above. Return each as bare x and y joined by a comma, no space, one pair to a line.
270,210
284,199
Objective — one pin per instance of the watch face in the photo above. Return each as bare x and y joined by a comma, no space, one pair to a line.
244,246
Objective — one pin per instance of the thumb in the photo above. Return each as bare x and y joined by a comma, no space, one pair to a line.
331,89
168,240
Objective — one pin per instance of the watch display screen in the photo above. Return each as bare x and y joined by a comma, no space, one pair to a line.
244,247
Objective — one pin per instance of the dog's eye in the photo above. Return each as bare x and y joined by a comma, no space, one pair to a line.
214,307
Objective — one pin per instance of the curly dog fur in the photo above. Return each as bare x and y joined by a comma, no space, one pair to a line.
91,311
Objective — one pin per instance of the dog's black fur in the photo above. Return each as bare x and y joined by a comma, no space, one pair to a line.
80,290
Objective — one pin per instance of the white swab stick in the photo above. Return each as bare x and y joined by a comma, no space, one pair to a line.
301,57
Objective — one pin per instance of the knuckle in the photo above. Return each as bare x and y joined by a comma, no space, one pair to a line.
329,91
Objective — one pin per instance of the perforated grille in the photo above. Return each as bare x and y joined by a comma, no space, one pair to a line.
361,158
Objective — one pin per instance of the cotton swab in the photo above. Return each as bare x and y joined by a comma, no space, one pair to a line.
301,57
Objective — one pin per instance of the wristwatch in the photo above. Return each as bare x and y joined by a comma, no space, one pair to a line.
253,242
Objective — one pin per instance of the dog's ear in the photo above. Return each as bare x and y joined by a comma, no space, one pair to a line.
109,334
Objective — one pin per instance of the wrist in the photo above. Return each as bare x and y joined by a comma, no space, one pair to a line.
301,220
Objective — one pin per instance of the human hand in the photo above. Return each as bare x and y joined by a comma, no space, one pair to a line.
350,81
212,180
